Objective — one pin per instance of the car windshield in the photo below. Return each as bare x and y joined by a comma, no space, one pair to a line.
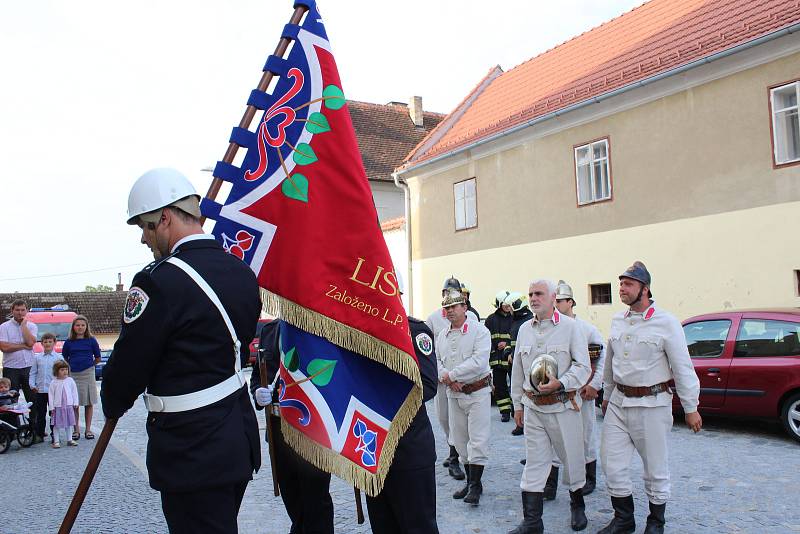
61,330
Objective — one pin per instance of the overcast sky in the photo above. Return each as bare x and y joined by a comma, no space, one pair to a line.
94,93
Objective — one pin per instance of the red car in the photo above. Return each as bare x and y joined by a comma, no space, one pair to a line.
56,320
748,362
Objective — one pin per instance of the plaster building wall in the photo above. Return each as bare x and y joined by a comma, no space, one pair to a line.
694,195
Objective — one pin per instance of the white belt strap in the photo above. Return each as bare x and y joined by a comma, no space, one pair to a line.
210,395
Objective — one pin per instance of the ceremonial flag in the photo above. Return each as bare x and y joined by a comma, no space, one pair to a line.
300,213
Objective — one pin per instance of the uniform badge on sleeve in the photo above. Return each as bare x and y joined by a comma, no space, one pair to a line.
135,304
424,343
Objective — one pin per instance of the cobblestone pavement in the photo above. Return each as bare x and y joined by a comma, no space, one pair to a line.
733,477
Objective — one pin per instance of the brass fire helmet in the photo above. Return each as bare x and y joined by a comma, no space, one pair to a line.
543,366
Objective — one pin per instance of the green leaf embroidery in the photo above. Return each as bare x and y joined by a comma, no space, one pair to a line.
304,154
321,371
296,187
334,97
317,123
291,360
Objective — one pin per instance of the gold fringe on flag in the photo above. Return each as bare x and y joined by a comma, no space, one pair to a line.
370,347
334,463
345,336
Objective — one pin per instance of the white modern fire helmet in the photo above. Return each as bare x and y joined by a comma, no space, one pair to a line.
159,188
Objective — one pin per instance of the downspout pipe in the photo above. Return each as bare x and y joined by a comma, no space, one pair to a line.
605,96
407,196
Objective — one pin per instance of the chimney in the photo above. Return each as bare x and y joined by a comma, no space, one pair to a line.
415,110
119,282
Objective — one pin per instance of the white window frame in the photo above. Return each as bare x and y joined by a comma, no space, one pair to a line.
776,131
594,195
465,219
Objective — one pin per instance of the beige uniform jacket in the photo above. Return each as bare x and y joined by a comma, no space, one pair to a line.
593,335
464,354
437,321
647,349
560,337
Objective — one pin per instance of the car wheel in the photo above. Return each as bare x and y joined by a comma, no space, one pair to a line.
25,436
5,441
790,416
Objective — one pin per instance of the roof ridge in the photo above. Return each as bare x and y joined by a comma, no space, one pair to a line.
651,39
389,106
452,117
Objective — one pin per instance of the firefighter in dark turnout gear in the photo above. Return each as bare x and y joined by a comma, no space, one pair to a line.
499,324
520,313
305,489
185,318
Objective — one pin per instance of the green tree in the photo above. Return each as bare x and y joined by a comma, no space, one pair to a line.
99,288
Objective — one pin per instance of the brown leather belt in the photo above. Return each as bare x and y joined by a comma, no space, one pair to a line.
553,398
475,386
643,391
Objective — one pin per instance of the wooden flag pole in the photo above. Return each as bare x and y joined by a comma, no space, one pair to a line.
250,111
273,464
88,475
359,507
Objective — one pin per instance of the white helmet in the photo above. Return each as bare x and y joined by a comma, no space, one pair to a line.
158,188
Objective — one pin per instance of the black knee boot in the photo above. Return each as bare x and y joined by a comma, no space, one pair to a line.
623,522
460,494
551,486
531,514
591,477
475,486
455,469
453,454
577,510
655,521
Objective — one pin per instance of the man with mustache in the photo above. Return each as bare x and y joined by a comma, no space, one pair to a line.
646,349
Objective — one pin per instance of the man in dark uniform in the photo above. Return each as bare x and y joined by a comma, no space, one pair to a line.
520,313
183,319
407,504
305,489
499,324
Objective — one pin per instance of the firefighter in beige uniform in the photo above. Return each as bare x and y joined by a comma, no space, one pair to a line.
551,415
565,303
646,349
463,357
437,321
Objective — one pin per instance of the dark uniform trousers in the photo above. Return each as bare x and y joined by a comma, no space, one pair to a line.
174,341
407,503
305,489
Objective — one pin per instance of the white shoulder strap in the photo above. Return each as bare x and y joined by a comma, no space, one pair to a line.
194,275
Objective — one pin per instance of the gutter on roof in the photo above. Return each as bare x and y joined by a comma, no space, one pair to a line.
605,96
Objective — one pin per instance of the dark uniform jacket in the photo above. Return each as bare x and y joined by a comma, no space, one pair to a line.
417,449
499,325
177,343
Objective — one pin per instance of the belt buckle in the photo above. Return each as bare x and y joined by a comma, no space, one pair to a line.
154,403
655,390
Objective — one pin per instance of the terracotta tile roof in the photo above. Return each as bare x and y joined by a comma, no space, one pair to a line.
103,309
653,38
393,224
386,134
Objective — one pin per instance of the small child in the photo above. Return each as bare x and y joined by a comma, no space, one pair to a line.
40,378
7,397
63,402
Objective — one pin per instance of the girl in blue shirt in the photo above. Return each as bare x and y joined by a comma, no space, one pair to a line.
82,353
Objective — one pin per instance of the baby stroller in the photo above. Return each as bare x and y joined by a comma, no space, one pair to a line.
14,424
